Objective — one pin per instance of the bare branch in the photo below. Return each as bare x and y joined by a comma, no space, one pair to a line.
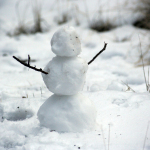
105,44
28,65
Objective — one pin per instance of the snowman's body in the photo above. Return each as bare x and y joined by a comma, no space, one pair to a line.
66,75
66,110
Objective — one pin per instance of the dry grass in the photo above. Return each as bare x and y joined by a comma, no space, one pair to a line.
63,18
144,144
28,26
101,25
144,7
134,54
36,9
128,87
21,28
147,83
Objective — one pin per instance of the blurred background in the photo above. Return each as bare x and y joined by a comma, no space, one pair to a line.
29,17
117,81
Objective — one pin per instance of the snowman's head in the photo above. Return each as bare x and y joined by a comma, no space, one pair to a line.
65,42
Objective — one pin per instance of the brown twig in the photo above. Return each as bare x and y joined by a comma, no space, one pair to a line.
28,64
105,44
128,87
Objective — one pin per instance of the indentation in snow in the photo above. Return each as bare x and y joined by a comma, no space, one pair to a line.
120,102
19,115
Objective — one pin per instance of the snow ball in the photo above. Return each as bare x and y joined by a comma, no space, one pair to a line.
65,42
67,113
66,75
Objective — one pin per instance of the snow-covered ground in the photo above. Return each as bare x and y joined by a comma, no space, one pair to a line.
123,116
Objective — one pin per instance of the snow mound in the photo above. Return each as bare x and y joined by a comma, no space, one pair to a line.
18,115
67,113
65,76
65,42
116,85
94,88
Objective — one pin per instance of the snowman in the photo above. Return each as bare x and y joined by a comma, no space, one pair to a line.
67,110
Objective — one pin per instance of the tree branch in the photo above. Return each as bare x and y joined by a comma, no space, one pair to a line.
28,64
105,44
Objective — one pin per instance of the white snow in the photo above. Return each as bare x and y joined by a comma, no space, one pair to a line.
66,75
66,42
94,88
122,115
73,113
116,85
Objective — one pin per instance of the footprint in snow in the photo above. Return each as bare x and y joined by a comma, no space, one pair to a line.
120,102
18,115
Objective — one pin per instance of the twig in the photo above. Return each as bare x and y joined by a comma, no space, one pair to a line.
28,65
147,88
105,44
146,135
129,88
103,137
109,137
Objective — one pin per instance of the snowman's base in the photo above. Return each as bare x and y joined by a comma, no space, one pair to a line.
67,113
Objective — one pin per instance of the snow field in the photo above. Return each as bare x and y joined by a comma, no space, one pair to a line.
66,75
122,116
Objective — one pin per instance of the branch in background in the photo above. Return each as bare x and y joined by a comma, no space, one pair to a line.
105,44
28,65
